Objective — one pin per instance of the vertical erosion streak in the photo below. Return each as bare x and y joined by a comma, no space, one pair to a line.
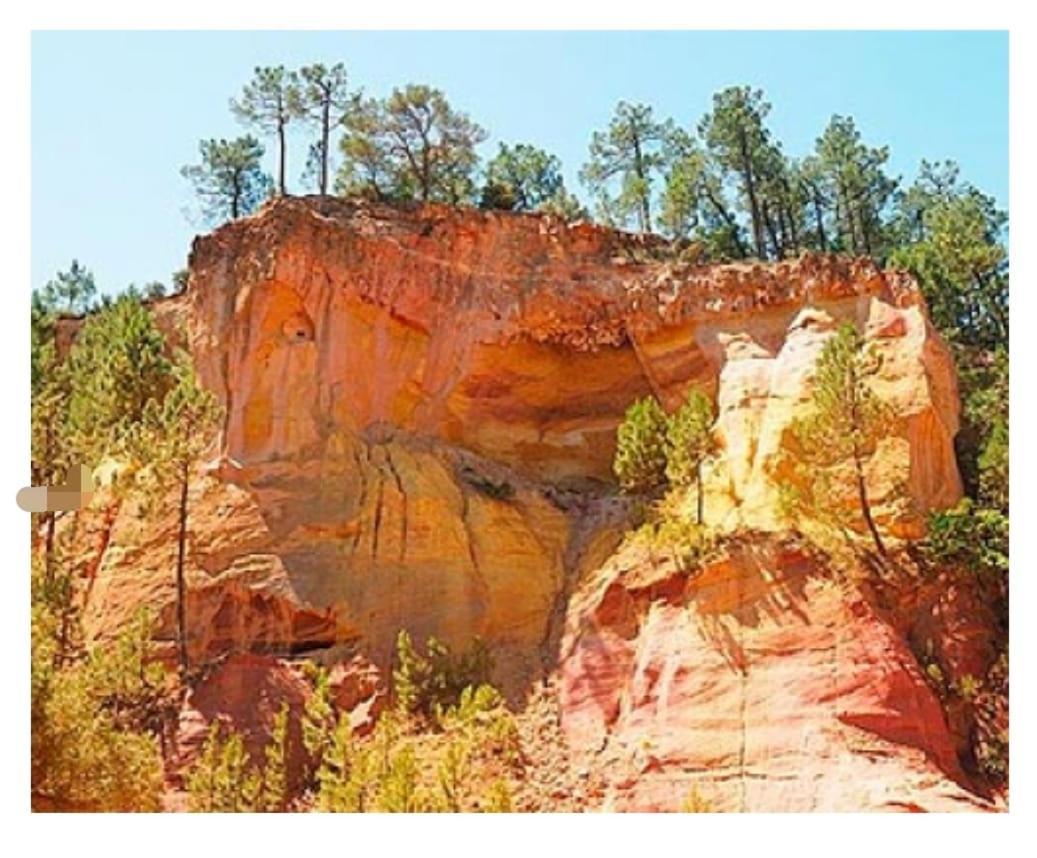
377,516
403,504
362,500
480,580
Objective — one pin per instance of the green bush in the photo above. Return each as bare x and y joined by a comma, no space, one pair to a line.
223,780
640,461
423,683
690,443
971,538
92,747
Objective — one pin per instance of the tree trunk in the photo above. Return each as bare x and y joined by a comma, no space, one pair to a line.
283,154
819,214
181,607
750,189
771,231
644,214
862,494
325,133
728,220
235,198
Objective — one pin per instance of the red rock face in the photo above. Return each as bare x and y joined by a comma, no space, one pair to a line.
244,694
420,413
758,684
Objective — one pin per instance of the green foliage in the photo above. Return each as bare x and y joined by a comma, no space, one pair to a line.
521,178
422,683
960,262
853,178
70,293
688,544
690,443
399,792
623,163
451,774
971,538
318,721
174,431
268,103
565,206
324,99
412,144
739,144
641,443
91,714
229,181
833,442
223,779
346,780
275,794
118,368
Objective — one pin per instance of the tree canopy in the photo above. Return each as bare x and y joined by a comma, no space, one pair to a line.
229,181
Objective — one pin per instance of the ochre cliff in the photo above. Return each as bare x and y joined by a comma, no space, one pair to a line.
420,412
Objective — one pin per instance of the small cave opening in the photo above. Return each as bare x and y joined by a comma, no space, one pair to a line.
297,328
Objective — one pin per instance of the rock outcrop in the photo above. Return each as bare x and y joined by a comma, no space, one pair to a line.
763,681
420,412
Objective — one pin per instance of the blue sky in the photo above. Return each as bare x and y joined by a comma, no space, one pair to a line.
116,114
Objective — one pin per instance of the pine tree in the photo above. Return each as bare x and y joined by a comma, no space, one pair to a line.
325,100
690,443
70,293
229,181
275,795
117,368
268,103
628,152
847,421
640,461
857,186
318,719
521,178
413,144
223,779
740,144
173,434
52,442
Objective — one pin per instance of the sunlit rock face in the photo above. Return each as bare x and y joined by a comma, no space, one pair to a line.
764,682
420,413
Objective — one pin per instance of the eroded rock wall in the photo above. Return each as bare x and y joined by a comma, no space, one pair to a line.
362,352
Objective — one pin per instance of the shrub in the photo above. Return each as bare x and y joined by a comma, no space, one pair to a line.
92,747
276,794
436,679
687,543
832,443
640,461
970,538
690,443
223,779
318,720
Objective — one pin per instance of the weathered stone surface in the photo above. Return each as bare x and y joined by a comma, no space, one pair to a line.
761,683
421,407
